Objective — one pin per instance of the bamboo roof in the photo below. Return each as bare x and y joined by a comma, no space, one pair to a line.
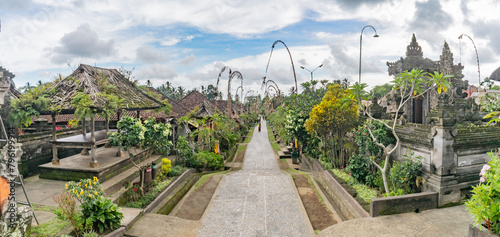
92,80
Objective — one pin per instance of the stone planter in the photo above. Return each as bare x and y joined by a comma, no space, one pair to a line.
474,231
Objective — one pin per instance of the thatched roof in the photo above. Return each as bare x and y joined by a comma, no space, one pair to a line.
92,80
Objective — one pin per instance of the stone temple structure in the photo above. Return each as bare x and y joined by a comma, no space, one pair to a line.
446,129
419,110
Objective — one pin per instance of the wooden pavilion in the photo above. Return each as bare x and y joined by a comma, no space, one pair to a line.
95,82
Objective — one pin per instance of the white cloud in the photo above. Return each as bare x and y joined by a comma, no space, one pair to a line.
188,59
149,54
156,72
83,42
170,42
38,36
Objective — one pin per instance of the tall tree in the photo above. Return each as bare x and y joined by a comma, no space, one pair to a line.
335,115
381,90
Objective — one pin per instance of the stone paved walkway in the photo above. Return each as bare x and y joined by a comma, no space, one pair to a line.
259,200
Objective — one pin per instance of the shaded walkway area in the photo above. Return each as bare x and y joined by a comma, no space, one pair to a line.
259,200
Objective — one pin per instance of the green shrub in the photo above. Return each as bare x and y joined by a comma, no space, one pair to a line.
210,160
101,214
362,191
484,205
137,201
195,162
406,175
185,151
362,169
175,171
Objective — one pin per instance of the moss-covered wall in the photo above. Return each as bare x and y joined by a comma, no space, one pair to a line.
37,150
474,136
417,134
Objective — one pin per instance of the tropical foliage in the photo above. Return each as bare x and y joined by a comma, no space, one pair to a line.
134,133
97,212
484,205
408,85
332,119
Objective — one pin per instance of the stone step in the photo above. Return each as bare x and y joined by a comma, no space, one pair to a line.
287,150
283,155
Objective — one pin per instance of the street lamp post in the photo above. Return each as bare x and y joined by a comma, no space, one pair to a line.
477,56
360,46
312,70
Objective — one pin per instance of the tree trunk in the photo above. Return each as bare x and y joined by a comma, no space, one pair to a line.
384,178
141,188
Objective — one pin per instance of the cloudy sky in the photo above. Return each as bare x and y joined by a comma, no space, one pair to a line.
188,42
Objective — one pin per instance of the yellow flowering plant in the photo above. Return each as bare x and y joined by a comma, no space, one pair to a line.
85,190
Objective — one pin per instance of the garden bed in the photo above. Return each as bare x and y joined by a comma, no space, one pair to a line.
319,216
361,193
194,205
155,193
346,206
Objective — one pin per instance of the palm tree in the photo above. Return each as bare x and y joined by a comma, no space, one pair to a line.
324,83
180,92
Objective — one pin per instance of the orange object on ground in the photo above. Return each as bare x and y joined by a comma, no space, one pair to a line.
4,193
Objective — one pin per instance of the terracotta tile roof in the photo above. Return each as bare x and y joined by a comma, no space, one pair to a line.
177,110
192,100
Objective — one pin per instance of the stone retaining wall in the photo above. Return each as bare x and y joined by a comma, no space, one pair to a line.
405,203
346,206
37,150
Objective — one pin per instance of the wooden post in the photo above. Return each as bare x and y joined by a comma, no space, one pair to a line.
55,159
85,151
93,163
107,125
84,127
119,153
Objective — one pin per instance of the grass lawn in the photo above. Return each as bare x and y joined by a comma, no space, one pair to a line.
204,178
275,146
50,228
240,152
364,192
249,137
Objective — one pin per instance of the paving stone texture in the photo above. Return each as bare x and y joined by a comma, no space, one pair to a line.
259,200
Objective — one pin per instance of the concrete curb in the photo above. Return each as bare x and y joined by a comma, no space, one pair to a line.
168,190
302,208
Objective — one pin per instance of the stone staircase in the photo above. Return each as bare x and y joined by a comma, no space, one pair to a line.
285,153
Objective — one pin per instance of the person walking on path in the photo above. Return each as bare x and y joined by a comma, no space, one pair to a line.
259,200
